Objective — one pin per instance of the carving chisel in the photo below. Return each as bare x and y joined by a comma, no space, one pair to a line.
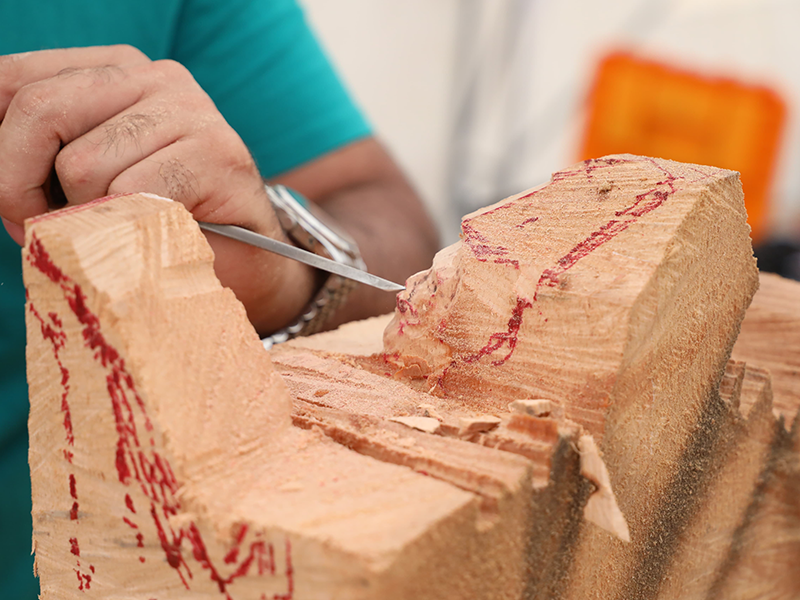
304,256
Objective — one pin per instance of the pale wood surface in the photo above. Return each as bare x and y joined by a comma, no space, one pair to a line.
769,338
173,458
740,457
763,562
163,470
599,291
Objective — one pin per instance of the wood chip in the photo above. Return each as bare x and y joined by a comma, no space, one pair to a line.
426,424
480,424
535,408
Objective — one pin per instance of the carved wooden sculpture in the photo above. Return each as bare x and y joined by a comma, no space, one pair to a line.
170,460
164,463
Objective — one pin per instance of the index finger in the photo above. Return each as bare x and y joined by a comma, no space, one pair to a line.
19,70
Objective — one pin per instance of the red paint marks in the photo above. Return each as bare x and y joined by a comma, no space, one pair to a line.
591,165
137,463
40,259
289,575
84,580
526,222
272,559
482,249
404,306
607,232
261,555
68,425
73,546
232,555
57,337
73,491
171,545
645,203
504,338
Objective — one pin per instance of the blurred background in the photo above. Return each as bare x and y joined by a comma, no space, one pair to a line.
481,99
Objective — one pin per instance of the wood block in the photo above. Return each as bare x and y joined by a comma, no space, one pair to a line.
458,460
770,338
762,562
740,459
161,469
615,291
681,557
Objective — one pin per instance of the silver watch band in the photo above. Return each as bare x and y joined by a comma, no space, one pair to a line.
309,229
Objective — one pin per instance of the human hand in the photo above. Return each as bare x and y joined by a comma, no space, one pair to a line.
107,120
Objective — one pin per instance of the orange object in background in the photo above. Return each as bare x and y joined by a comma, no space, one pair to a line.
644,107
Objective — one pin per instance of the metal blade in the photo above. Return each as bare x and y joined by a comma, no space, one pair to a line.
303,256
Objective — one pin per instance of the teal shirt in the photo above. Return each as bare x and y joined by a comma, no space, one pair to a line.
264,70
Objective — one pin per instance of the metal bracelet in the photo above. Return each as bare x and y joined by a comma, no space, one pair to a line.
311,230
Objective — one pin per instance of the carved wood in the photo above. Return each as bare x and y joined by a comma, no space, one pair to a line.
592,317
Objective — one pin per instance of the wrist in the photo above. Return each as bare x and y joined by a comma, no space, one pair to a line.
311,229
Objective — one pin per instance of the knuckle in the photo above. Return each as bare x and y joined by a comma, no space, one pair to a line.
226,145
74,168
173,70
33,101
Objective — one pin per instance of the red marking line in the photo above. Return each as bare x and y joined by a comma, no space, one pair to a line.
241,532
500,339
480,246
526,222
404,306
57,337
84,580
645,203
136,463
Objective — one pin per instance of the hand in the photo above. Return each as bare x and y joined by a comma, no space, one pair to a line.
107,120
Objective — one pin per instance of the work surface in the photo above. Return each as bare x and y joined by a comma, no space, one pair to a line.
551,412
